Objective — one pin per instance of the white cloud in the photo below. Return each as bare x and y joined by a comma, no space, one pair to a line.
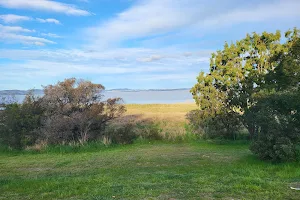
64,63
49,20
11,34
50,68
6,29
281,9
173,76
52,35
11,18
44,5
152,18
115,56
150,58
166,38
24,39
147,17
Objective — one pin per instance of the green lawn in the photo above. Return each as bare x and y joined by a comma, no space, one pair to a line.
148,171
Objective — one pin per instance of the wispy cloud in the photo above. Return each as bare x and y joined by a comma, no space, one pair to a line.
114,63
11,18
155,18
264,11
150,58
49,20
50,68
14,29
132,56
24,39
148,44
12,34
52,35
44,5
143,19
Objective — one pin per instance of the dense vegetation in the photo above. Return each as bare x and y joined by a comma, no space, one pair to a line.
253,84
251,92
73,113
69,112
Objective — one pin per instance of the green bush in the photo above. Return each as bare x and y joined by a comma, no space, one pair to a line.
19,123
121,133
276,121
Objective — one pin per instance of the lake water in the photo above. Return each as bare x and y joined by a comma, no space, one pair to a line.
144,97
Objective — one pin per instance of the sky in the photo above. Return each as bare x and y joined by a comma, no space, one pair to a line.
137,44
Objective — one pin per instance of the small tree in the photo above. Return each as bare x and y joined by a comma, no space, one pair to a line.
74,111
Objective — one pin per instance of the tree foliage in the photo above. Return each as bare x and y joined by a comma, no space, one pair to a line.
238,72
276,115
257,78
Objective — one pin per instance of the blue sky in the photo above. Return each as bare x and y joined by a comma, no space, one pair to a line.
138,44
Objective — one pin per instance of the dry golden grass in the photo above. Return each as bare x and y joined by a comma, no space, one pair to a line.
170,117
161,112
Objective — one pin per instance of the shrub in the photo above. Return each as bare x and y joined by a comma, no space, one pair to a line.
19,123
276,120
120,134
127,133
71,111
223,125
75,111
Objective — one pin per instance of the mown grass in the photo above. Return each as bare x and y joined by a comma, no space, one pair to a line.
197,170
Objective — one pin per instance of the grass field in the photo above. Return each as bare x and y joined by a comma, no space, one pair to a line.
147,170
199,170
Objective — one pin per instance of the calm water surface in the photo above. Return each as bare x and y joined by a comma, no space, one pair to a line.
144,97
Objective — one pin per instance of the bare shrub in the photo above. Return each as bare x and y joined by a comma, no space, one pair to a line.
74,111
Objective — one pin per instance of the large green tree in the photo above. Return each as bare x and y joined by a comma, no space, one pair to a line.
238,72
276,114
